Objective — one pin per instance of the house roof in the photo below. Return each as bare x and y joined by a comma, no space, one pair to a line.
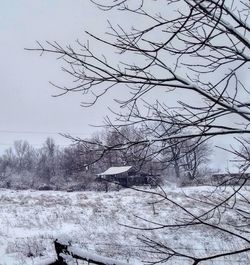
115,170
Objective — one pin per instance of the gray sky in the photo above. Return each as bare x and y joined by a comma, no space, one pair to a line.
27,109
26,104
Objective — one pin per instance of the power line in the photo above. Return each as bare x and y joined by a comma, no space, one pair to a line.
35,145
6,144
41,132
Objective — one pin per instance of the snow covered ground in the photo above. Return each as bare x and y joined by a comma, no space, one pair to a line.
96,222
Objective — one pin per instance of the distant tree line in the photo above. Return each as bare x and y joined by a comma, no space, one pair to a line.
75,167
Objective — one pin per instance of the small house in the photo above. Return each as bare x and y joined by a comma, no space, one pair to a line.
125,176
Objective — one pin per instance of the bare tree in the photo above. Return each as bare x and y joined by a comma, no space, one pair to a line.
24,154
46,161
197,53
187,160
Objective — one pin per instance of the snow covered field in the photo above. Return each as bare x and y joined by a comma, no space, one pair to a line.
94,221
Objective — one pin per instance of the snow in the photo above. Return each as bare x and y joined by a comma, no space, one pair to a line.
63,239
115,170
93,257
45,261
94,222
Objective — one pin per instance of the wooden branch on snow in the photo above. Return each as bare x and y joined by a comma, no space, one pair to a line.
64,251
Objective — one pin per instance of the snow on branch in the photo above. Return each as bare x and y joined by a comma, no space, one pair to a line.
66,253
93,258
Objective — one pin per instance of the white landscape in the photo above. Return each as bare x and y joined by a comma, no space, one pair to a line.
101,94
96,222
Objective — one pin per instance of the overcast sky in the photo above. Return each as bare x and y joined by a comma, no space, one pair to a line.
27,109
